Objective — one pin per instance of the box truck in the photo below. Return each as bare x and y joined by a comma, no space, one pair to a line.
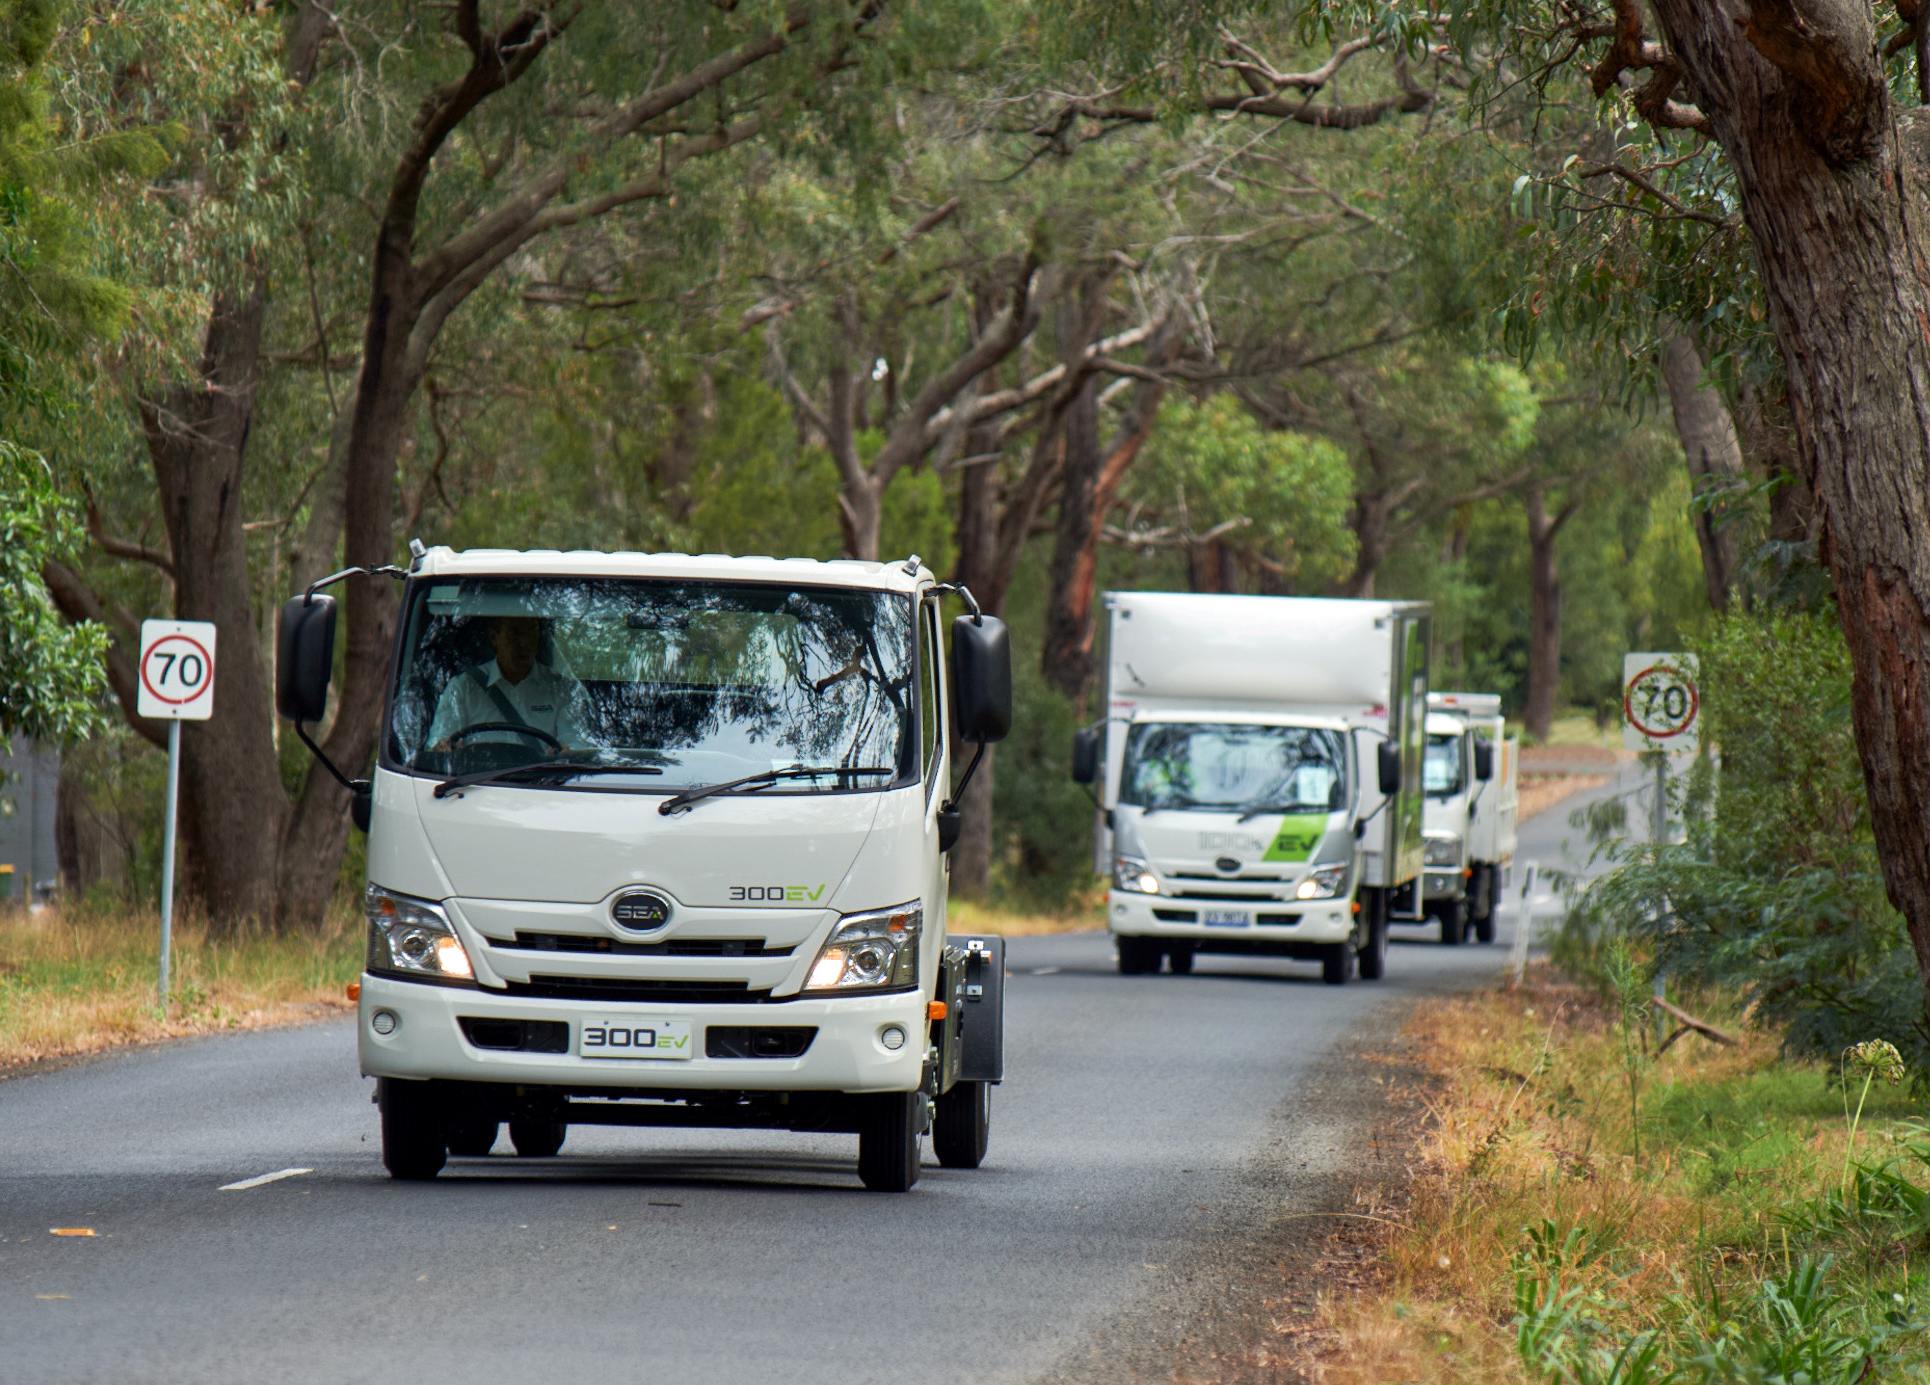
660,840
1468,783
1259,777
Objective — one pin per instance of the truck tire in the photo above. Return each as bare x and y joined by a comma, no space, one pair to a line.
1373,952
1137,956
535,1137
1454,922
1179,957
1484,919
889,1140
471,1137
412,1139
1337,964
964,1126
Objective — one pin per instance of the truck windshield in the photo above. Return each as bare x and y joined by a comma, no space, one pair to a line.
1234,767
689,683
1441,767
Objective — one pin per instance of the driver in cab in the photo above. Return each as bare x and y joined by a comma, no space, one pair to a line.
514,689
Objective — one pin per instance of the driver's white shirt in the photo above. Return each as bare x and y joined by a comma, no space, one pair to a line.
546,701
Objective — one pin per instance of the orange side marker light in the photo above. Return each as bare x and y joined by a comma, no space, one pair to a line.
936,1010
355,990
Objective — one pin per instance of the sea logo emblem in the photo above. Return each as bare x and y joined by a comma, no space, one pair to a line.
640,911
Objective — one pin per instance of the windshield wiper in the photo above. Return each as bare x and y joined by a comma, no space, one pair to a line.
492,776
758,780
1254,810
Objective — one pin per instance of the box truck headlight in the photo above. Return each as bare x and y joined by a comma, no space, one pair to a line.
877,951
1133,875
411,937
1323,882
1442,851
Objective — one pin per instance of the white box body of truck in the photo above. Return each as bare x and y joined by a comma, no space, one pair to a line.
1471,804
1240,793
658,839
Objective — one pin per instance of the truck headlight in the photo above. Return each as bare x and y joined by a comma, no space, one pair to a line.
1323,882
1442,851
877,951
1133,875
412,938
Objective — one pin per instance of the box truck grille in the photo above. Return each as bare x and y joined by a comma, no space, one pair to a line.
758,1041
516,1036
1259,876
626,988
1240,897
1177,915
669,947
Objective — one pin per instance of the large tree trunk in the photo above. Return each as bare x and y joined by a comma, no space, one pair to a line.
1544,613
1708,435
1369,521
1831,179
978,565
1065,654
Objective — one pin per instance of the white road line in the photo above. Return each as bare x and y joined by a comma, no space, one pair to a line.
1046,971
245,1184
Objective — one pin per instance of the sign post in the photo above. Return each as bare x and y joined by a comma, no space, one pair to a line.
1661,715
177,685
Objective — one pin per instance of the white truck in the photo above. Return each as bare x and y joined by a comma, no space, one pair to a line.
1260,777
1468,781
660,840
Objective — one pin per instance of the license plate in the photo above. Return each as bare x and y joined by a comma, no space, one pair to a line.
1225,918
628,1038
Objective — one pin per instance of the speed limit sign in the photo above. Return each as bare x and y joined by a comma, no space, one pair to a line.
1661,703
177,670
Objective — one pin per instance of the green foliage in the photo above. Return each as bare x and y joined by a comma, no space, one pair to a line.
51,674
1777,889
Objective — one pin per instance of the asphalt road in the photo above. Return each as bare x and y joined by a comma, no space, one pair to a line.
1146,1124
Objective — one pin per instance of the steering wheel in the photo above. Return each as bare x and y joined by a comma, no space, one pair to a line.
514,727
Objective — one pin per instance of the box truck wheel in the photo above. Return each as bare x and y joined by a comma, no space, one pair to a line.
1484,877
1454,922
1137,956
1179,957
889,1139
1337,964
536,1137
964,1126
412,1139
1373,952
471,1137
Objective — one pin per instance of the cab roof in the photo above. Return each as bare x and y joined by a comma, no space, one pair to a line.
903,574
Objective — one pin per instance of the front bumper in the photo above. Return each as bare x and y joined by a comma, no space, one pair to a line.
847,1054
1314,921
1444,882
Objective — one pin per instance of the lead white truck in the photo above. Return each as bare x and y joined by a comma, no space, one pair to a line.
660,840
1259,774
1471,803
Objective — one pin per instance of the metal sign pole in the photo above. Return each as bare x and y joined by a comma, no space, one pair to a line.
1658,832
167,856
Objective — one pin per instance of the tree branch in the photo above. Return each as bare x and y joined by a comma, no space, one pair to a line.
77,602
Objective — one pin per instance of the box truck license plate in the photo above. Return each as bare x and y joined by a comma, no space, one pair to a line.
1226,918
629,1038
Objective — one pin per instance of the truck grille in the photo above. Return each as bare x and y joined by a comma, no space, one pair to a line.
626,988
670,947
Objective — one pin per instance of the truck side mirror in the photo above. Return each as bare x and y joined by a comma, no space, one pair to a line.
1390,767
981,678
305,657
1483,760
1085,755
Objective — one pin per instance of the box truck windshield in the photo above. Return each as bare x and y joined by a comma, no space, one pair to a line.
1441,769
659,687
1230,767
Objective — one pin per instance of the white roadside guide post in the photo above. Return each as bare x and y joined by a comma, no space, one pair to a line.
1661,715
177,685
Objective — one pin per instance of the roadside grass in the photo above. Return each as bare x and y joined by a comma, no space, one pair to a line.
1584,1212
1578,727
76,980
1083,914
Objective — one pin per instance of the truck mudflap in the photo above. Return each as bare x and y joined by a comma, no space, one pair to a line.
981,1006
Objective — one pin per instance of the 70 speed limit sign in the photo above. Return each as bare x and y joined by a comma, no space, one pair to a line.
177,670
1661,704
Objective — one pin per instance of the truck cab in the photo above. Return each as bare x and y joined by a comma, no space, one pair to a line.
1468,787
660,839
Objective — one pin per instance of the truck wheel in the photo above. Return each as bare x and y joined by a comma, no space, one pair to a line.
412,1142
1373,953
888,1142
535,1137
1484,921
1454,922
1137,956
964,1127
1180,958
1337,964
471,1137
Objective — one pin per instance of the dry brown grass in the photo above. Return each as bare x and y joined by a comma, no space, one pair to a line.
76,981
1082,915
1529,1120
